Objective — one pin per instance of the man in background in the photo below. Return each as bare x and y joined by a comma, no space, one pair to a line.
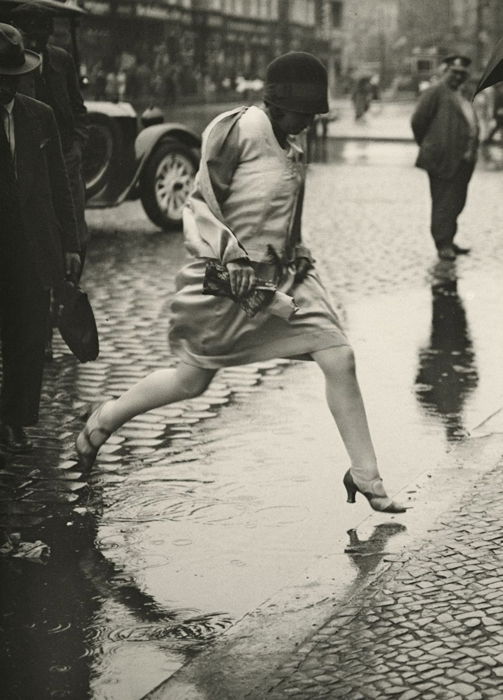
38,237
445,128
56,83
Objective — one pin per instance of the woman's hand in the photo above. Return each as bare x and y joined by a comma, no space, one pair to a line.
242,277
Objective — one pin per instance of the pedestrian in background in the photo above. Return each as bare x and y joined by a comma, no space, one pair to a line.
361,97
445,128
38,237
56,83
245,214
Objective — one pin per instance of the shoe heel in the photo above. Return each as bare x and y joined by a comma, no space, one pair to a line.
350,487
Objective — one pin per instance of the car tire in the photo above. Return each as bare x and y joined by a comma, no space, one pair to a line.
101,152
166,182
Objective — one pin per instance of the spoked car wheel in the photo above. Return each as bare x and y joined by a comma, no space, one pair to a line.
103,146
166,182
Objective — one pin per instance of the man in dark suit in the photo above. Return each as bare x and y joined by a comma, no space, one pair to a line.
38,236
446,130
56,82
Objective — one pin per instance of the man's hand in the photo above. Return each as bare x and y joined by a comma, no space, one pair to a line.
242,277
302,267
72,266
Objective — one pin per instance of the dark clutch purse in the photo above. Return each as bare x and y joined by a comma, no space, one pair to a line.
76,322
265,295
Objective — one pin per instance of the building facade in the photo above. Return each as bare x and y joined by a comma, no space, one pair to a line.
370,32
187,50
470,27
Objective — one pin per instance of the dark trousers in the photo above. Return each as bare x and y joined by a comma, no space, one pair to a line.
24,308
448,198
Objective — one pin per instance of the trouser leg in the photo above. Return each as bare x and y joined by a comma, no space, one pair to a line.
23,330
448,198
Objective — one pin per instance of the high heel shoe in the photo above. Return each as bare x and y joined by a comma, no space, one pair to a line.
374,492
87,448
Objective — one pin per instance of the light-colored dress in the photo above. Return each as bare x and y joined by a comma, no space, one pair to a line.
244,207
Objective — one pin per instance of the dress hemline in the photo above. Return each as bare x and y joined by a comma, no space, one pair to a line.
294,347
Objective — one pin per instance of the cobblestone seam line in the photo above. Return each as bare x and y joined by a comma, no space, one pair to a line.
430,627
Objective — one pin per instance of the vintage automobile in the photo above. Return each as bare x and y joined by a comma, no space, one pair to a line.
130,155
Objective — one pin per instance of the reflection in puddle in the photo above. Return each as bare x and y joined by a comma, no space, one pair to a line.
367,554
61,622
447,371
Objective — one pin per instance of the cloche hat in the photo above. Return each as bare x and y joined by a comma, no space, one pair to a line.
297,81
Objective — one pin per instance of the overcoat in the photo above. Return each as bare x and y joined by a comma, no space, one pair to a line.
63,95
441,130
47,212
59,88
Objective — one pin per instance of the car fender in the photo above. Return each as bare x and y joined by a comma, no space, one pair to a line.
147,141
114,110
148,138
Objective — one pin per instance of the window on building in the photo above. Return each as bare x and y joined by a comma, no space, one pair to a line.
336,9
302,12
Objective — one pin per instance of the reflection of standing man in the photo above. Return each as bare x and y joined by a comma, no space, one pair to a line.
57,84
447,371
446,130
38,236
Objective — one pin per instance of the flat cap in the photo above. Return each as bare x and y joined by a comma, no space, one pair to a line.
458,62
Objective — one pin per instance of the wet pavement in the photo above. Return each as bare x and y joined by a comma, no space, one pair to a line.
430,627
199,512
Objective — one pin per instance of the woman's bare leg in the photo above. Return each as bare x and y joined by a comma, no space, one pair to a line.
346,405
162,387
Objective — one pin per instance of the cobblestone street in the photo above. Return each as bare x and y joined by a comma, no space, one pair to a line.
430,627
199,512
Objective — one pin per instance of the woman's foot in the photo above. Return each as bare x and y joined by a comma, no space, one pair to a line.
374,492
90,439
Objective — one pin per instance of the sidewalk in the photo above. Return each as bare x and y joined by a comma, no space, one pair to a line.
430,627
424,618
386,121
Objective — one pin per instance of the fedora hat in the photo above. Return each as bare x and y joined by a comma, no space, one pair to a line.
14,58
